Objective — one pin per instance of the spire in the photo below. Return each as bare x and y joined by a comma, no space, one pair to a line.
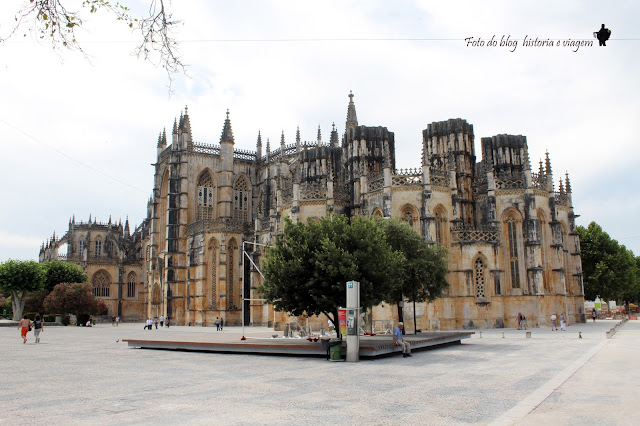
527,161
174,133
268,148
186,123
567,184
547,163
164,137
352,118
259,146
561,186
298,135
160,140
282,142
227,133
334,135
126,226
541,170
319,135
109,220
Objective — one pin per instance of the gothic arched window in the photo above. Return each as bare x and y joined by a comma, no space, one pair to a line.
479,277
131,284
512,241
231,251
98,247
80,247
241,199
101,283
205,197
213,272
441,227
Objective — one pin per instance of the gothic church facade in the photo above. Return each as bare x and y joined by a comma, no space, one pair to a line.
510,231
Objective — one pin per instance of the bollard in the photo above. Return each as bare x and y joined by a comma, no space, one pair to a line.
481,334
503,334
528,335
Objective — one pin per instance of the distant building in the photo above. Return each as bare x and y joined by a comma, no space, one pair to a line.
511,235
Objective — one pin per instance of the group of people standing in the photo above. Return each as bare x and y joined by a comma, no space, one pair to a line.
554,321
25,325
219,324
155,321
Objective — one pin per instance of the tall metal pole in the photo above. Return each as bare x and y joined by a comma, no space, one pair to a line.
242,292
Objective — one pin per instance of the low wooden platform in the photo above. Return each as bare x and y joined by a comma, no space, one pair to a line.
370,346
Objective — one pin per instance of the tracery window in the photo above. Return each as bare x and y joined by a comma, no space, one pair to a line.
441,228
213,274
479,270
101,282
131,284
205,197
98,247
230,276
80,247
512,230
241,199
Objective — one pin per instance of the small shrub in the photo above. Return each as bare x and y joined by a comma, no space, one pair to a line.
66,320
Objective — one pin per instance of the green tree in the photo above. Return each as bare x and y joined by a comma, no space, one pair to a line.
56,272
307,268
74,298
19,277
609,269
423,267
62,272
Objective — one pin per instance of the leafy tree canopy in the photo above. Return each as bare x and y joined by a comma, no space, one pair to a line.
58,272
18,277
610,270
307,268
423,268
75,298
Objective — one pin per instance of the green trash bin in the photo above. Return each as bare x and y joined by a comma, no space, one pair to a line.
335,349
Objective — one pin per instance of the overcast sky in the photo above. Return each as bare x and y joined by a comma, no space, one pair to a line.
79,135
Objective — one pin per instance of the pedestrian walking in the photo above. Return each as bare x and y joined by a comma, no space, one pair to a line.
523,322
221,324
113,321
519,320
217,322
24,326
38,327
161,320
155,322
554,327
117,320
593,314
563,323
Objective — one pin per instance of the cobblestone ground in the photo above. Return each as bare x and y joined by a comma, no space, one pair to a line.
81,375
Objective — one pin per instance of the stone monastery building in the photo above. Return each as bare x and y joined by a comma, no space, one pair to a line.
510,232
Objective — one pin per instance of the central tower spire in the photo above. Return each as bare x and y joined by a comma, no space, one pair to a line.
352,118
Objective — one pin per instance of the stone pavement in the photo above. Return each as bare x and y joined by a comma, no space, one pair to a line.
81,375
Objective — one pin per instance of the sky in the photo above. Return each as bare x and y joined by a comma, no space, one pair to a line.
79,132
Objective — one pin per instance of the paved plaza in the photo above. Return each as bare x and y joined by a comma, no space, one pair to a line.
81,375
